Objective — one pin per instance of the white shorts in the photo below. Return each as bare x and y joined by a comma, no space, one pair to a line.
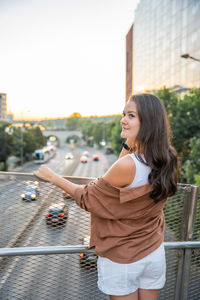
123,279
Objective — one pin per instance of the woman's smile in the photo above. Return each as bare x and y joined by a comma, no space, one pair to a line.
130,122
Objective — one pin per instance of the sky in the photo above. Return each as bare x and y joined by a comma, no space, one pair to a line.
58,57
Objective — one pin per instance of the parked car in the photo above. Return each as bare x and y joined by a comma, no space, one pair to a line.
57,214
95,157
31,192
69,156
86,153
84,159
88,259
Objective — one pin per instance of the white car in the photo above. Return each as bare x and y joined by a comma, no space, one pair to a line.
86,153
69,156
84,159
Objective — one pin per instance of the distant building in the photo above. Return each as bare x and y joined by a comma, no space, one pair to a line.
129,63
10,117
3,107
162,32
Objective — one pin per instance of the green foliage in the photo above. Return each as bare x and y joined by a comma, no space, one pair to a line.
197,179
116,139
87,130
39,138
187,123
191,167
28,140
6,141
95,132
72,123
184,115
171,103
98,132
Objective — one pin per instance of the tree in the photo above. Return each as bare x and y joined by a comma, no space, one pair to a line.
172,105
97,132
6,145
184,119
40,139
187,123
116,140
72,123
28,140
191,167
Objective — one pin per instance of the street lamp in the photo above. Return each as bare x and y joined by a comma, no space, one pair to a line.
189,56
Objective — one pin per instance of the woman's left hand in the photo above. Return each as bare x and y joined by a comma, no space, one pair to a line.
45,173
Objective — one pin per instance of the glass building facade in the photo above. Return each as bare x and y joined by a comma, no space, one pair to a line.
3,107
163,31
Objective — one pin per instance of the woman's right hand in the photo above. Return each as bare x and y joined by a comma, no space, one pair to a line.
45,173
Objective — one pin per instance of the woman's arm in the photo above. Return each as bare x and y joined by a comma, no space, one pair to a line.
48,175
122,172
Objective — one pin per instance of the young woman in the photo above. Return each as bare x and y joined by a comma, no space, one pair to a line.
126,204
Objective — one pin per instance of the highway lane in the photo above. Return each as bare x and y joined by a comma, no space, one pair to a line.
16,213
53,277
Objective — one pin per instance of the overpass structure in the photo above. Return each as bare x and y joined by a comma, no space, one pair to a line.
62,135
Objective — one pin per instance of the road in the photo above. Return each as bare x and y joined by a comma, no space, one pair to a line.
54,276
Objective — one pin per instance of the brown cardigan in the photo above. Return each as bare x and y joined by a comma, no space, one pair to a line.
126,224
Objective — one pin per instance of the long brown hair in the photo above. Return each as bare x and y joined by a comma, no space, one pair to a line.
153,140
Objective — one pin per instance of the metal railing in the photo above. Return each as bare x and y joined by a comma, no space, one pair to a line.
51,261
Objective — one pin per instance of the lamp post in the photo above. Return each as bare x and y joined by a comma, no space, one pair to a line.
189,56
21,148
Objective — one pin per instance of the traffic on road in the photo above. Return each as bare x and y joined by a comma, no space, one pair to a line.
52,219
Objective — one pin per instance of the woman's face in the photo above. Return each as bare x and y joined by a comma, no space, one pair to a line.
130,122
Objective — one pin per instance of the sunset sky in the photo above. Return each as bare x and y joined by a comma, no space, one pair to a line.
62,56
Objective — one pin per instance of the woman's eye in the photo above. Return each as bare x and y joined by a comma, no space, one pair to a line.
131,116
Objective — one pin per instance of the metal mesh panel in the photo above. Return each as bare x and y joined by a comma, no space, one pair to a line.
26,223
196,235
49,277
173,215
168,292
42,221
194,279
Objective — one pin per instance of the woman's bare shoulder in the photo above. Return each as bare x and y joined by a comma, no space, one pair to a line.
122,172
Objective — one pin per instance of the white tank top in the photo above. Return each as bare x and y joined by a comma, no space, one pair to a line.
141,174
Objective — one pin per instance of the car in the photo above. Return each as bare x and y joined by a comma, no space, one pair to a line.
31,192
109,150
33,184
95,157
57,214
86,153
84,159
66,195
88,259
69,156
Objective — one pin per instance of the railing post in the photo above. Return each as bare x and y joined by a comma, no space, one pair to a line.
189,215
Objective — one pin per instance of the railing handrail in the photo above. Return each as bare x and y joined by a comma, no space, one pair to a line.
77,179
22,251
